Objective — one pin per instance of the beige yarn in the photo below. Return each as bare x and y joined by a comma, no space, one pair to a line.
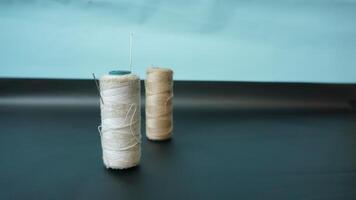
120,120
159,95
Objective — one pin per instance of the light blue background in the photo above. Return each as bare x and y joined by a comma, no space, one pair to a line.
239,40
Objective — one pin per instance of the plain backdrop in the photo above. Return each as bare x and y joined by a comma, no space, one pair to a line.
236,40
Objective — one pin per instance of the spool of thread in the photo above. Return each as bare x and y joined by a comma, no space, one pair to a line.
159,106
120,119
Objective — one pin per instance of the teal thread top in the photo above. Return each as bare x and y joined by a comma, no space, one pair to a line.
119,72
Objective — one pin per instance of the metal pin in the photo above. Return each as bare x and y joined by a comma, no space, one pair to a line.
130,64
97,86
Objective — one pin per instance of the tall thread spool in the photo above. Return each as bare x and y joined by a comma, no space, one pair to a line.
120,120
159,104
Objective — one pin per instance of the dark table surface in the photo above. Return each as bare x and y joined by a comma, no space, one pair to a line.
231,141
56,154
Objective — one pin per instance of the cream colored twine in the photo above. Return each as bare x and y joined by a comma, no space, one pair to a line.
159,94
120,120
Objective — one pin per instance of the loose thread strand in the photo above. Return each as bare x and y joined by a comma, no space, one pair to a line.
98,87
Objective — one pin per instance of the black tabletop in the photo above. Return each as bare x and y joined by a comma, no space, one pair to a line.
52,150
56,154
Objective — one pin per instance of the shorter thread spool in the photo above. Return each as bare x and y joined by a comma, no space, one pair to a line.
159,103
120,119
